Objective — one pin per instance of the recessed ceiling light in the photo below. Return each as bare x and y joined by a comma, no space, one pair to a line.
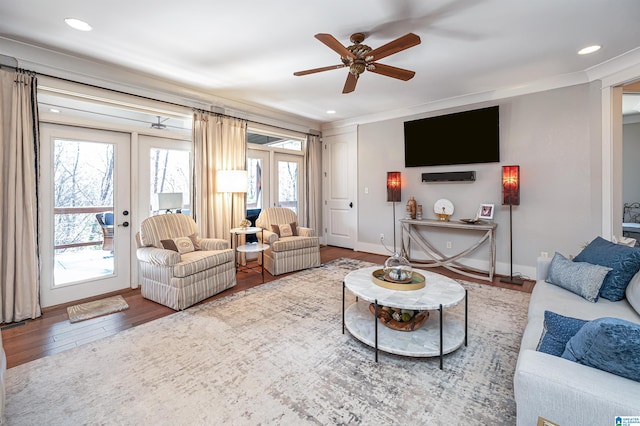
78,24
589,49
331,111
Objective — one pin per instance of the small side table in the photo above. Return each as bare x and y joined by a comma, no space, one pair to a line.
248,248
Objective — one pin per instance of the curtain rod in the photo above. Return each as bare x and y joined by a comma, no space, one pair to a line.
220,114
170,103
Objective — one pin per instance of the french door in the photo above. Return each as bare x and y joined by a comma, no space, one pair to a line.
289,182
85,232
164,168
276,179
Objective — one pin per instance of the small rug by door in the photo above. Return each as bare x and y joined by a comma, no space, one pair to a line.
85,311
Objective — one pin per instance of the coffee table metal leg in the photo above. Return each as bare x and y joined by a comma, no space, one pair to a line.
441,343
466,311
343,289
375,319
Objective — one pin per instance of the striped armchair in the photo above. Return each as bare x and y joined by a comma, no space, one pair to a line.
286,252
179,277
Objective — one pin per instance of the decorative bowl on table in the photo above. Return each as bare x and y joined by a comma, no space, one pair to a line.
400,319
398,274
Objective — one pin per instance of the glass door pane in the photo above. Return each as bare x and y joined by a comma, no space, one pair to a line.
169,181
289,181
83,210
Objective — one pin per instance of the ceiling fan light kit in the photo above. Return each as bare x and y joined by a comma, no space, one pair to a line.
360,58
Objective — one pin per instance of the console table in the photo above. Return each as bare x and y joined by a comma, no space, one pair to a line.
413,227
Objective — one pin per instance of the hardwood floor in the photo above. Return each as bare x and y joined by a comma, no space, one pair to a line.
53,332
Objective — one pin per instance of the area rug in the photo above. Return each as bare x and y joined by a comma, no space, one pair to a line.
275,355
85,311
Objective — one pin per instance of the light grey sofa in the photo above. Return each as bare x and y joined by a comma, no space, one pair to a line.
562,391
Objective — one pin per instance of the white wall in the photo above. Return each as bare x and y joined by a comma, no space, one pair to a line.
551,135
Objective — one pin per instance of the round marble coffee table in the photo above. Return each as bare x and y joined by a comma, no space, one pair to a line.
439,335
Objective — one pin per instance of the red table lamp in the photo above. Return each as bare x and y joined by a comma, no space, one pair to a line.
511,197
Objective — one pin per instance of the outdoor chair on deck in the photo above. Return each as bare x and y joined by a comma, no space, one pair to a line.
105,220
286,253
178,269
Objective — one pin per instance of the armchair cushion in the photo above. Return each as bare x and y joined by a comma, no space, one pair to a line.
294,243
285,230
198,261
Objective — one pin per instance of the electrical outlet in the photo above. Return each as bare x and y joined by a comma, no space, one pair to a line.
381,237
448,244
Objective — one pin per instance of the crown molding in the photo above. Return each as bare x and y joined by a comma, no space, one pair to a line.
104,75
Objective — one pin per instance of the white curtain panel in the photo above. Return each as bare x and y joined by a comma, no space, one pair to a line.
220,143
19,277
314,182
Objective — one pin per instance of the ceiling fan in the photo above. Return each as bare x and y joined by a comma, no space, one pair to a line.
360,58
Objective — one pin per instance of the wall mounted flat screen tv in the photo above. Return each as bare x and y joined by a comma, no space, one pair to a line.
461,138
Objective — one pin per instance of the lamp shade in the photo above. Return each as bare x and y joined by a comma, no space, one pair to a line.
393,186
511,185
231,181
167,201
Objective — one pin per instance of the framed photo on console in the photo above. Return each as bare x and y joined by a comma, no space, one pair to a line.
485,211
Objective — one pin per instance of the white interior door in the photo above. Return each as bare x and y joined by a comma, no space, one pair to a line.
340,188
84,173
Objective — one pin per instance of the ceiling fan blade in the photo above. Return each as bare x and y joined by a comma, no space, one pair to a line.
395,46
350,84
314,70
389,71
335,45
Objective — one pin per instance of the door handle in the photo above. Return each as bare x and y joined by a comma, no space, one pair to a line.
351,204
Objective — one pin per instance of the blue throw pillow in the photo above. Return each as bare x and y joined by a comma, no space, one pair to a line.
625,262
581,278
609,344
558,330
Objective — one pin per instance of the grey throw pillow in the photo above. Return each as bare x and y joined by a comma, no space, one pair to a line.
581,278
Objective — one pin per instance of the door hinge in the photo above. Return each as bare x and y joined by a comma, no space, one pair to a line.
325,202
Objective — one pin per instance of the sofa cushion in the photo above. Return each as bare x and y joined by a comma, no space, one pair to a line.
625,262
581,278
609,344
633,292
558,329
